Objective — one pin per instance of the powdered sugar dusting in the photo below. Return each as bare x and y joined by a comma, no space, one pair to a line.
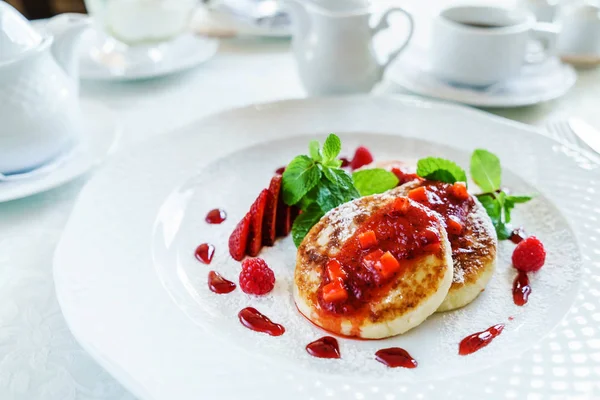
343,219
434,343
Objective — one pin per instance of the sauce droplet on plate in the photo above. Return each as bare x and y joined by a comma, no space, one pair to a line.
479,340
216,216
518,235
521,289
326,347
396,357
252,319
205,252
218,284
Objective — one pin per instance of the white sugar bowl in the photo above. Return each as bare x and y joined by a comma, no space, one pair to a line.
39,104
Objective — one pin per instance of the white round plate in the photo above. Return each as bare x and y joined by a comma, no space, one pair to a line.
99,140
104,58
536,83
137,300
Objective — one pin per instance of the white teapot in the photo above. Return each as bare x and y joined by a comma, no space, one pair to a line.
333,45
39,104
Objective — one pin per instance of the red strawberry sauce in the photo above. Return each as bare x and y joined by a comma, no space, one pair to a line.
325,347
405,234
252,319
205,252
396,357
479,340
216,216
218,284
521,289
518,235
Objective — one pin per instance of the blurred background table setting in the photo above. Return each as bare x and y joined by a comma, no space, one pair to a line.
83,80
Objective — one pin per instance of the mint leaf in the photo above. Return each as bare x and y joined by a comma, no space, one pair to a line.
372,181
339,177
493,206
314,149
510,202
439,169
518,199
486,170
299,177
331,148
330,195
304,222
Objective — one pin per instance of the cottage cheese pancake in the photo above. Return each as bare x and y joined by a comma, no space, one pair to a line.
470,231
374,267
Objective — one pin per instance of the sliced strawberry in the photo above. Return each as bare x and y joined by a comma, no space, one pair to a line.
269,224
238,240
362,157
257,212
294,212
283,224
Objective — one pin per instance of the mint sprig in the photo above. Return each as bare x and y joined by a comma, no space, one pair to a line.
486,172
440,169
316,184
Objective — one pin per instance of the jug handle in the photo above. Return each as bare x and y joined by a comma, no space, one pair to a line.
384,24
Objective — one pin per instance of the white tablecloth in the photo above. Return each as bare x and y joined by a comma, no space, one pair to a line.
39,358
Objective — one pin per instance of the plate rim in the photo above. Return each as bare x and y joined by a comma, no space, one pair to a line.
401,100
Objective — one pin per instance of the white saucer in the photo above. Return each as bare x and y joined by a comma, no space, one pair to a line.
98,141
537,83
104,58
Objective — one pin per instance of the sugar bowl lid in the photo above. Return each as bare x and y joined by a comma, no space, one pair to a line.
16,33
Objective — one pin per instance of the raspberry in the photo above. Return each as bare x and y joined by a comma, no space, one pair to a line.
256,277
529,255
361,158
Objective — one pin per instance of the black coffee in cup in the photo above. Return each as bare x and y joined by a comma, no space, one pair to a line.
482,25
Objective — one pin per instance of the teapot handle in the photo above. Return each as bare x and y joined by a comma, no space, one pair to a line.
384,24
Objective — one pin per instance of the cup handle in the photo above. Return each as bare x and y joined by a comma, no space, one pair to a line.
384,24
547,33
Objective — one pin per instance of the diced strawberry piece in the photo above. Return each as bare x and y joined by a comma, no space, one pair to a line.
419,195
371,260
454,225
335,271
270,222
401,205
257,212
432,248
362,157
459,190
238,241
335,292
388,265
367,239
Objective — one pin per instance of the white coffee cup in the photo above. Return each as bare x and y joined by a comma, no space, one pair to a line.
481,45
